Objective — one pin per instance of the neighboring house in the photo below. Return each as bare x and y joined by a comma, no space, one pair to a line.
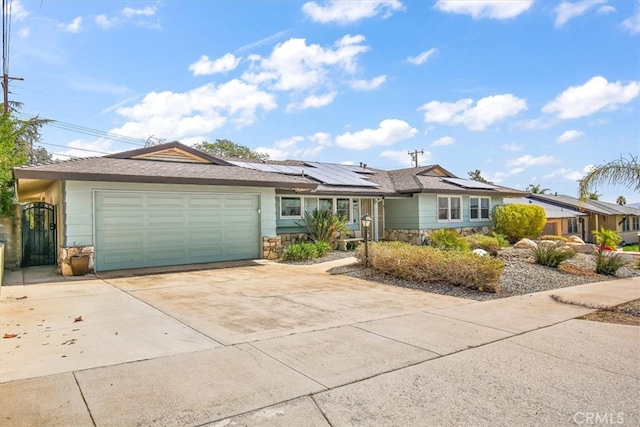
170,204
561,221
623,219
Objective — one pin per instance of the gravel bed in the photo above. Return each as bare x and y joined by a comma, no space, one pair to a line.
520,276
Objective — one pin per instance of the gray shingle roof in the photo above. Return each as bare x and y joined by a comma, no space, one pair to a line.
593,206
551,211
152,171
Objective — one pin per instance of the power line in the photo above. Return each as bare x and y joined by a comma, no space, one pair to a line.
73,148
87,131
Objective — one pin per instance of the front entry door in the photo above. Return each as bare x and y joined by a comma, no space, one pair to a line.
38,234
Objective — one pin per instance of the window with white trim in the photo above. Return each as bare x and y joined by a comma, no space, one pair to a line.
626,224
290,207
572,225
449,209
343,207
479,208
325,204
636,223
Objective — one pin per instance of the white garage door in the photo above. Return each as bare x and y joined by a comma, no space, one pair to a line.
148,229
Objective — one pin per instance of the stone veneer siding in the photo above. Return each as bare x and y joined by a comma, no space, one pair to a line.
271,247
418,237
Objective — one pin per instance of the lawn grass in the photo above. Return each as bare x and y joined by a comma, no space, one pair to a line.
633,248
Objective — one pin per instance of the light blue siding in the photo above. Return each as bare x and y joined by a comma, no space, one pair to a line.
402,213
429,212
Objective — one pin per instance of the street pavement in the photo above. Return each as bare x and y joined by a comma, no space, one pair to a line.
268,344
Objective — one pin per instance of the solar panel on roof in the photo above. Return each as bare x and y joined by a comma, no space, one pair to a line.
338,175
468,183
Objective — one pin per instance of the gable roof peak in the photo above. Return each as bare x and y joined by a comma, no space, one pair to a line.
174,151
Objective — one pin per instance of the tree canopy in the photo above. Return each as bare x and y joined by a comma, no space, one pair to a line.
536,189
226,148
476,175
622,171
621,200
17,138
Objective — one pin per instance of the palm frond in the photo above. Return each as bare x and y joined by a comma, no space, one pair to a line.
625,172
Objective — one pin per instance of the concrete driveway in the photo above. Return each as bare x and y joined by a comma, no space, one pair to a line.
272,344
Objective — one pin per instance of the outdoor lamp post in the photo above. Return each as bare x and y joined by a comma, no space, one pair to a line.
366,222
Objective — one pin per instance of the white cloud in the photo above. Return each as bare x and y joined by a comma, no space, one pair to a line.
74,27
313,101
130,12
205,66
345,12
528,160
496,9
423,57
294,65
321,138
512,147
606,9
568,136
389,132
573,176
499,177
403,158
372,84
445,140
632,23
567,10
289,148
17,11
104,22
487,111
595,95
177,115
24,32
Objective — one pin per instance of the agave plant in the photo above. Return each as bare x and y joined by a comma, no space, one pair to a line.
324,225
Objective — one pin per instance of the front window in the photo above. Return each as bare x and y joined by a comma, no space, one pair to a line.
450,208
290,207
479,208
343,208
572,225
636,222
625,224
325,205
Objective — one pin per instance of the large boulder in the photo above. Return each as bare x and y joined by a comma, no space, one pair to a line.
525,244
575,239
584,248
547,243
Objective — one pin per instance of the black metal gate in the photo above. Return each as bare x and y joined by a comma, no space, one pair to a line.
38,234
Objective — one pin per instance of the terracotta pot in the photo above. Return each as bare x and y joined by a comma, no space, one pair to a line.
79,264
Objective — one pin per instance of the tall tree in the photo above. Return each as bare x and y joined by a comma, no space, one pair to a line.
226,148
593,195
622,171
17,139
536,189
476,175
621,200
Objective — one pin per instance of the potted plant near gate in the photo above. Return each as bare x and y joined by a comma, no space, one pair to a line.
78,261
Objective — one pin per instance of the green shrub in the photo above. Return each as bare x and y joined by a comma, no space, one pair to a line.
427,264
552,256
324,225
482,241
606,238
519,221
305,251
609,263
501,238
553,237
322,248
447,240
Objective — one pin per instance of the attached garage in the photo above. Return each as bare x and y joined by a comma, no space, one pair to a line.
148,229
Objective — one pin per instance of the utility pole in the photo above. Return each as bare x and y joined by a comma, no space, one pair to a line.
5,90
414,156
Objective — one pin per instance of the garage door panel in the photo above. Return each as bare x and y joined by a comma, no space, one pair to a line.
155,229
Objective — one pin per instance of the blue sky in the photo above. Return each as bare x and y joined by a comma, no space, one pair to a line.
527,91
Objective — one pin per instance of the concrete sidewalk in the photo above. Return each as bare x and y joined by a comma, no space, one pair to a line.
511,361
